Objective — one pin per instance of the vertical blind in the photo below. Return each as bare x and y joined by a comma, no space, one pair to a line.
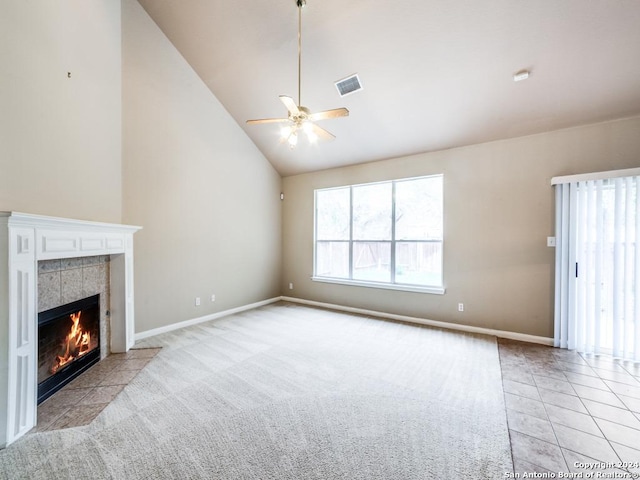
597,298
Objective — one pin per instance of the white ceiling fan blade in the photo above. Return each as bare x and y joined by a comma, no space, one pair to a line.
290,104
335,113
267,120
321,132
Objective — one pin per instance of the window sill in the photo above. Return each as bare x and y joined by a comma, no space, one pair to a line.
385,286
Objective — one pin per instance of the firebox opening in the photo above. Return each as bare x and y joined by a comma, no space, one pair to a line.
68,343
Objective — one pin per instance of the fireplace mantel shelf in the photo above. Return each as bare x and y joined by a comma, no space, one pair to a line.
41,221
24,240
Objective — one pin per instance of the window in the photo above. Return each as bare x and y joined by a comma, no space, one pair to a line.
386,234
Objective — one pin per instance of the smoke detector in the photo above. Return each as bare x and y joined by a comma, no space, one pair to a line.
521,75
348,85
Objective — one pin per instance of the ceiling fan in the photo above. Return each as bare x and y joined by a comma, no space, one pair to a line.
300,118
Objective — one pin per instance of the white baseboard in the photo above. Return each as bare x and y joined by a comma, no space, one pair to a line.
194,321
522,337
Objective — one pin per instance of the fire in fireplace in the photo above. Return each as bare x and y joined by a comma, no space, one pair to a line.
68,343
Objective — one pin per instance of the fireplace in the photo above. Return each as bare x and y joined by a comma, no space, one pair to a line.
25,241
68,343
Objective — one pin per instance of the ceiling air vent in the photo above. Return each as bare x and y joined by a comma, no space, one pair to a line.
348,85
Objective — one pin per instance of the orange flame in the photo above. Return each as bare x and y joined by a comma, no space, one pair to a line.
76,344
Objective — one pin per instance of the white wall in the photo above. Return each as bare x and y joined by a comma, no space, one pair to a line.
499,209
208,200
60,137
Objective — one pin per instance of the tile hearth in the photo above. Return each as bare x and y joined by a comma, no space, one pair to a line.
79,402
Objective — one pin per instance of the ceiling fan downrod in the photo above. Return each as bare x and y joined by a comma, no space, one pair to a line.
300,4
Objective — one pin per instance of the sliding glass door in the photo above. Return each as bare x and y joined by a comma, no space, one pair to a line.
598,266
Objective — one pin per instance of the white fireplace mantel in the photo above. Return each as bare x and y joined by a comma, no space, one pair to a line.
24,240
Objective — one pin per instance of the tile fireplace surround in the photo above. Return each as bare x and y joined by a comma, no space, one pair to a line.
25,240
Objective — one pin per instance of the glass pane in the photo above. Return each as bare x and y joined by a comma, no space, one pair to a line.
419,263
419,209
332,259
372,212
332,210
372,261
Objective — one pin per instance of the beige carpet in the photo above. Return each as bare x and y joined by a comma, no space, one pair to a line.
290,392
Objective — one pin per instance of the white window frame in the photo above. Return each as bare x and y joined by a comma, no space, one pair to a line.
435,289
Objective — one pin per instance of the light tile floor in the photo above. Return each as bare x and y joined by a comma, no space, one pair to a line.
568,412
79,402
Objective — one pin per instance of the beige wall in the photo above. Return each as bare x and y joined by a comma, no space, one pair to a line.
60,137
499,209
208,200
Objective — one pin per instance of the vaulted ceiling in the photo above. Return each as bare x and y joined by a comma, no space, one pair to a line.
436,74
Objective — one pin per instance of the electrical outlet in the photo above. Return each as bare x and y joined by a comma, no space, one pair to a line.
213,297
197,301
551,241
461,307
291,286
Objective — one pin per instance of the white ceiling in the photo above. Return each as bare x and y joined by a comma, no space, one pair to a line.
436,74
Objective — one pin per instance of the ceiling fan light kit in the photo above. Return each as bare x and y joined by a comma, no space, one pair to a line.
300,118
